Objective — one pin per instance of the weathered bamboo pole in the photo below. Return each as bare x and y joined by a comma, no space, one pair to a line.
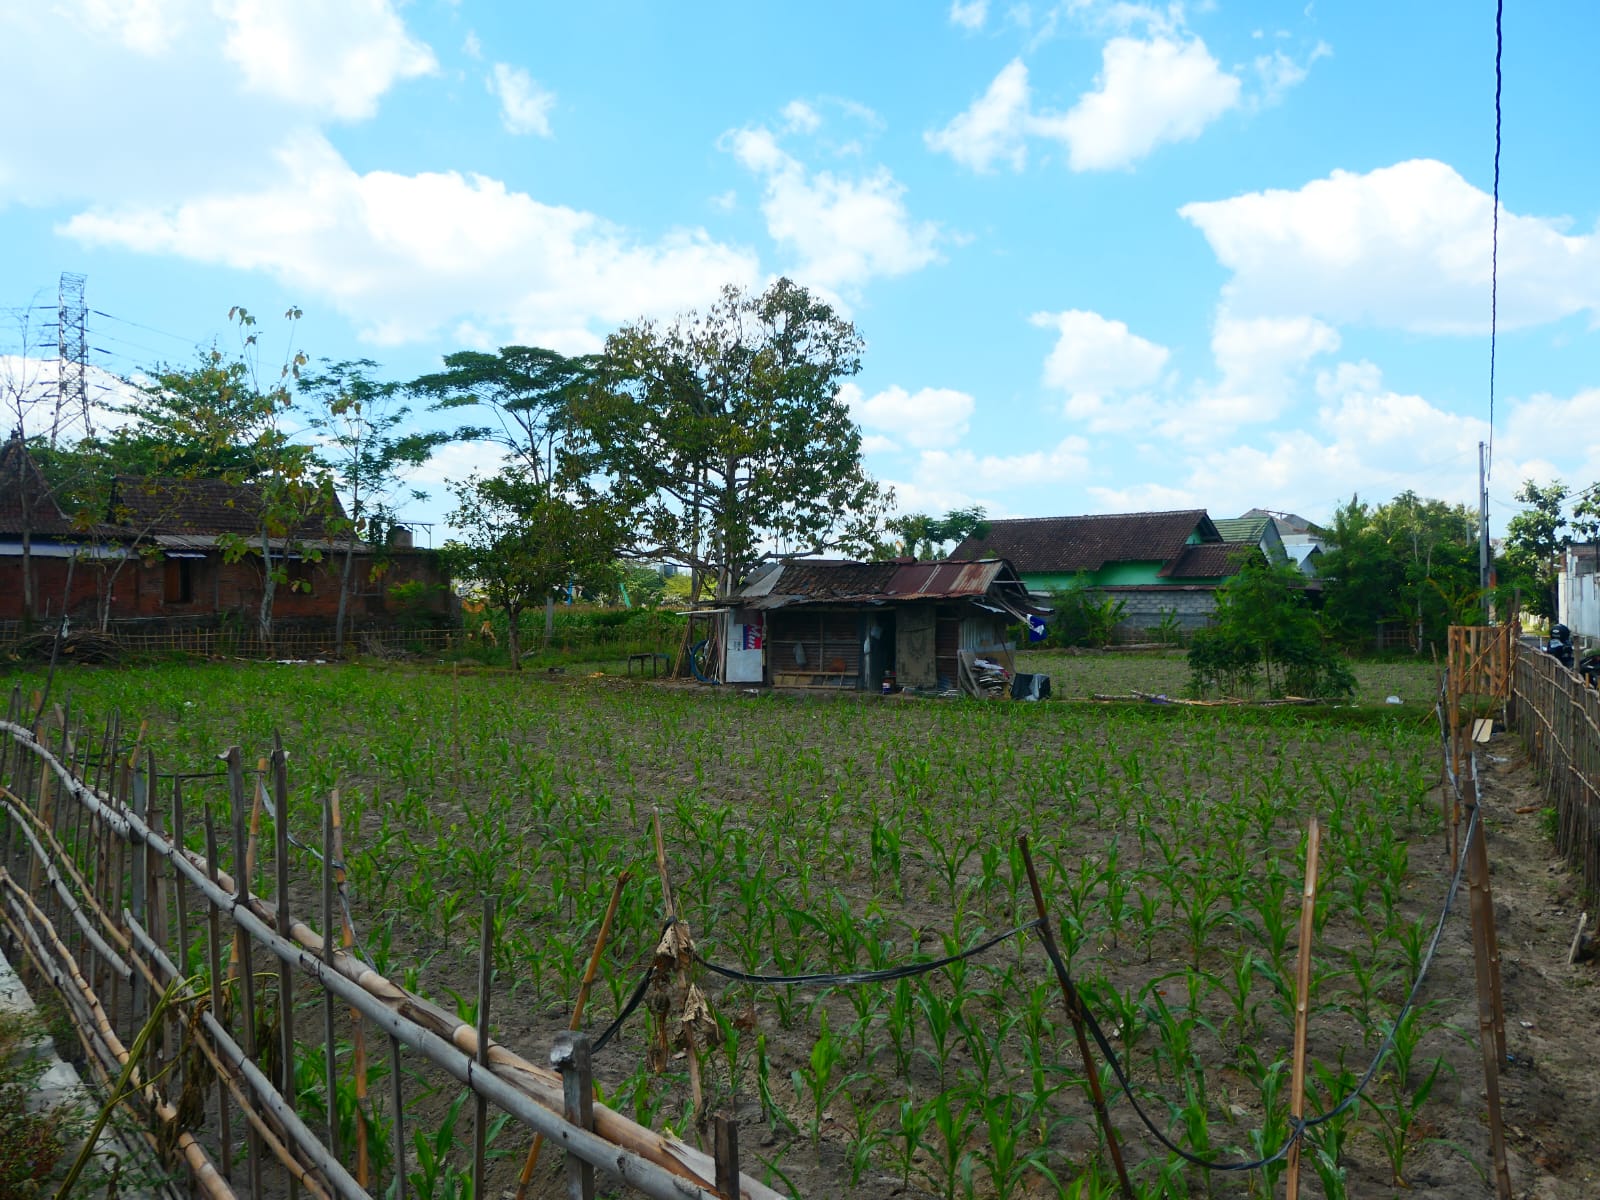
576,1022
1302,1006
480,1127
330,1041
1482,914
280,860
658,1165
214,962
243,951
1073,1003
682,941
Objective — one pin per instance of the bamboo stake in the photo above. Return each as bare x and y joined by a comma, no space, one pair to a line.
1482,932
280,860
214,962
576,1022
1070,998
1302,1005
685,950
244,854
358,1035
330,1059
480,1126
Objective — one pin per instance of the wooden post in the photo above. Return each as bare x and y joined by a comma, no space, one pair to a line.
480,1127
214,962
397,1097
1302,1003
570,1056
577,1017
280,860
243,855
726,1146
358,1035
1482,933
1072,1003
331,1060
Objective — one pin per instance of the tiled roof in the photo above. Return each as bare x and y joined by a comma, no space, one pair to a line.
1209,560
1087,543
203,507
1287,522
44,515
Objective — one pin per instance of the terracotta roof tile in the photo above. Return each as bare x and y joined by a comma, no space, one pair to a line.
197,507
1087,543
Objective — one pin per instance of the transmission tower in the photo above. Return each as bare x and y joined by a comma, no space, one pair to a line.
72,362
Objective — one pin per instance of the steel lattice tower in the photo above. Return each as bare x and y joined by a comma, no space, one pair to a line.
72,363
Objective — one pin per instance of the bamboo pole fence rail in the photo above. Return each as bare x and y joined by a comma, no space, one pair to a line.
1559,720
104,897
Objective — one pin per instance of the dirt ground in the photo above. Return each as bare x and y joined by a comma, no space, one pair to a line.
1550,1089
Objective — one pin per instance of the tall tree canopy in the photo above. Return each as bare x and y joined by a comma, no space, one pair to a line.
726,432
1535,539
1411,560
530,393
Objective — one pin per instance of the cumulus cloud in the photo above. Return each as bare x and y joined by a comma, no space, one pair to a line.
334,58
925,419
524,105
969,14
1065,462
1150,91
800,117
408,255
839,231
1406,247
994,128
1095,358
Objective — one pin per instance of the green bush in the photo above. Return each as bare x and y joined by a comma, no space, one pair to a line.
1082,616
1265,632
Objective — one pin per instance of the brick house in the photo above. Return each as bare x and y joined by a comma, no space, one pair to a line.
160,560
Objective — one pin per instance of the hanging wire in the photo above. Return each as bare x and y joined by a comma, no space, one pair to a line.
1494,245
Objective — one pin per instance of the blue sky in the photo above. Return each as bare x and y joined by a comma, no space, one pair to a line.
1106,256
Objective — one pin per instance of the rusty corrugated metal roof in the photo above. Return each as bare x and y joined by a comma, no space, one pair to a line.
838,581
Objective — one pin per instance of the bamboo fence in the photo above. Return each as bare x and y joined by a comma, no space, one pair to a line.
151,942
1559,720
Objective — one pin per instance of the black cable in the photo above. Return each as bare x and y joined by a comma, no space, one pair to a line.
904,971
1494,244
633,1003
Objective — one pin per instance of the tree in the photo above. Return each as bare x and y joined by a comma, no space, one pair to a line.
1535,539
1411,560
1263,623
520,541
364,451
922,536
726,431
532,394
223,419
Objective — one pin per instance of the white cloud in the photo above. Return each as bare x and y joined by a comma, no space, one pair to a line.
471,46
1406,247
926,419
524,105
840,231
336,59
1277,72
1095,358
408,255
1149,92
800,117
1064,463
969,14
993,128
144,26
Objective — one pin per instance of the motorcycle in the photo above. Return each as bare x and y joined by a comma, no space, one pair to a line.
1559,646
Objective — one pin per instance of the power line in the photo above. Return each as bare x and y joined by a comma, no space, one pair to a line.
1494,243
177,337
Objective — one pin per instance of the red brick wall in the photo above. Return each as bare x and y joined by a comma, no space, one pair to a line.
217,589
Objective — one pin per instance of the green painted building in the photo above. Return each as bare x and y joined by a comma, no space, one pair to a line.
1161,565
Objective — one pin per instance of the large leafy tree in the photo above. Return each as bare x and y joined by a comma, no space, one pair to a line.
726,431
1264,627
923,536
528,397
228,418
361,424
1535,539
520,541
1411,560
